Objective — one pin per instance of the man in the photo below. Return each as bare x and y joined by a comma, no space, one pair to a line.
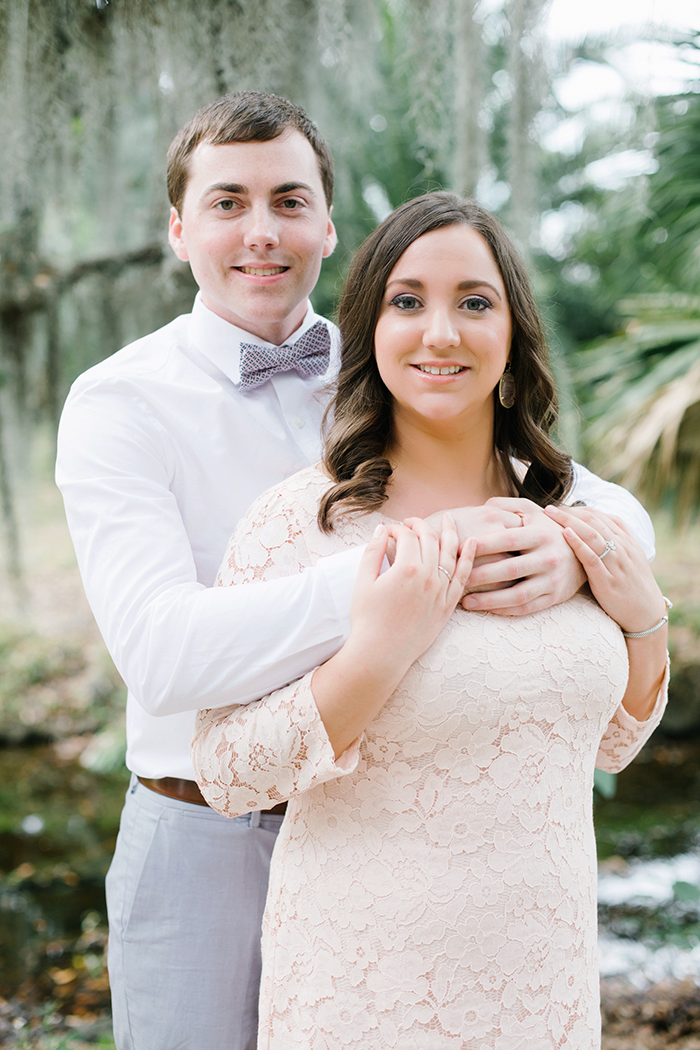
161,450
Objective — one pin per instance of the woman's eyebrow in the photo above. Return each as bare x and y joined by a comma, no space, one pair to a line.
411,282
467,286
463,286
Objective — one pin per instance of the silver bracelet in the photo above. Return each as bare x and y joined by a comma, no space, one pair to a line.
656,627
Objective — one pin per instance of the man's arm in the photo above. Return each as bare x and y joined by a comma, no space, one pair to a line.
178,644
613,499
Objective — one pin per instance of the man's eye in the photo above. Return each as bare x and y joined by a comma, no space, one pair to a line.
476,304
406,302
226,205
291,204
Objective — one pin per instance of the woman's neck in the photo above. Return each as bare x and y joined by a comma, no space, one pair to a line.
434,471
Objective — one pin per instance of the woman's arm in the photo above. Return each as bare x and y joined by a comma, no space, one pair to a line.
253,756
395,616
625,736
624,586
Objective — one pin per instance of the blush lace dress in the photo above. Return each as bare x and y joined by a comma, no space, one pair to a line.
435,887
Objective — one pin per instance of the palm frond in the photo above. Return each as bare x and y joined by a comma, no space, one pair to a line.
642,402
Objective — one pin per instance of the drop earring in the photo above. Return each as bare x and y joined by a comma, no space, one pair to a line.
506,388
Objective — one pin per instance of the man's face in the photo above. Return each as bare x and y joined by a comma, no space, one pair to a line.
254,228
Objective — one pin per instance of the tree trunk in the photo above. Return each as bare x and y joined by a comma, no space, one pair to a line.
468,93
525,66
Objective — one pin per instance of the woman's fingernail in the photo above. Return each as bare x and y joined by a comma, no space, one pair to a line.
379,530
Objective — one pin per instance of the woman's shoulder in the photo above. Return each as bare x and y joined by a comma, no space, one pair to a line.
292,508
299,493
278,535
288,509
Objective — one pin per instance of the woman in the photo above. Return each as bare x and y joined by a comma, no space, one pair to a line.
433,884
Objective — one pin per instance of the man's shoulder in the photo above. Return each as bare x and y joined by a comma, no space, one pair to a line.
143,357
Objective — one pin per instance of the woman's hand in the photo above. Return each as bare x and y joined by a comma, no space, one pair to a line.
406,607
619,575
622,582
395,617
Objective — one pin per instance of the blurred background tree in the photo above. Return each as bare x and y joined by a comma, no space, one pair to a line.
625,287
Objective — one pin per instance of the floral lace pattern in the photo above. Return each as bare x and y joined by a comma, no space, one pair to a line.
435,887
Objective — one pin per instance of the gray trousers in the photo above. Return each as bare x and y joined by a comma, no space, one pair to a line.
185,896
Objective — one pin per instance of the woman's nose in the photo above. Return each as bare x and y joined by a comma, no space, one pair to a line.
440,330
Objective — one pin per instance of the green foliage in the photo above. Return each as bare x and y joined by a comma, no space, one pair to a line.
640,393
671,230
686,891
624,293
46,1030
604,783
687,615
48,690
638,239
672,925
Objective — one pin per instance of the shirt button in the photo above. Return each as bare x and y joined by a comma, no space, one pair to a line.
299,423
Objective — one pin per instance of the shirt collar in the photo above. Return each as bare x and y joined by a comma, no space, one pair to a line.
220,341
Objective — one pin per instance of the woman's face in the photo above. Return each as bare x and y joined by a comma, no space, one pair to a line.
443,335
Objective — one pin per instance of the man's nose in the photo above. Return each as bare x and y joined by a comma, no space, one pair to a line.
261,230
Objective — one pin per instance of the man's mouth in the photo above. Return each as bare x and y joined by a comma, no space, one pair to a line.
447,370
261,271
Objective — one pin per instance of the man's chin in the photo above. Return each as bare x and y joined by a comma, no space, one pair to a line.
260,312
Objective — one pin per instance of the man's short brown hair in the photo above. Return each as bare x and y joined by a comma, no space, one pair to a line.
246,116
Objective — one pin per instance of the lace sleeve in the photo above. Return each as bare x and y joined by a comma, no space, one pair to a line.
625,736
255,755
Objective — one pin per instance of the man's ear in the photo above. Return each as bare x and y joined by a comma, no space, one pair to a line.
331,237
175,236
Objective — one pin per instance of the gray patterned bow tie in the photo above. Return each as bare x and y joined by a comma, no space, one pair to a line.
310,356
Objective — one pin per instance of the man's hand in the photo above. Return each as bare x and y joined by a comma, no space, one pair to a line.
525,568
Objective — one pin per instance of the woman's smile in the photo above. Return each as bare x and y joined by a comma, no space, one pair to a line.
440,370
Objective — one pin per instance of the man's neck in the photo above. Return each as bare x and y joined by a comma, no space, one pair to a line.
275,332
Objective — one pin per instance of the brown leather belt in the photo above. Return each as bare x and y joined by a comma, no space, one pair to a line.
188,791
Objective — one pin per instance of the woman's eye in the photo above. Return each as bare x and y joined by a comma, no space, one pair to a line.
406,302
476,304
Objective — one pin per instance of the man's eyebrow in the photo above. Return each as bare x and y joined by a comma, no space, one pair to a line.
463,286
290,187
239,189
225,187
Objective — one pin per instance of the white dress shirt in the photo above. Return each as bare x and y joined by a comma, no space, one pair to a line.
159,455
